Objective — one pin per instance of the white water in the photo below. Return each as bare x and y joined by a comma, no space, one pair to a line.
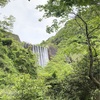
42,55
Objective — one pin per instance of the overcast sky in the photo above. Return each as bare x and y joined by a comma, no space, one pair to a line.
27,26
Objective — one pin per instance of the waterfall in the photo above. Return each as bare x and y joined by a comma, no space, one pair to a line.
42,55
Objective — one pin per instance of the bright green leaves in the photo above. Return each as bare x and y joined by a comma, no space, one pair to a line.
94,24
67,73
24,60
62,8
20,86
13,55
24,87
17,69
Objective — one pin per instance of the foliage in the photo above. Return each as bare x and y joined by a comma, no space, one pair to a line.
3,2
7,23
14,61
7,42
62,8
67,75
73,51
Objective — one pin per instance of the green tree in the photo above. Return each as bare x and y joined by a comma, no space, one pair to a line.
61,8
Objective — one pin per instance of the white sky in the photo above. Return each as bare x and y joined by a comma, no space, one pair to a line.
27,26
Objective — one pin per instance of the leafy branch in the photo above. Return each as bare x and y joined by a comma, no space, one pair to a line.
91,57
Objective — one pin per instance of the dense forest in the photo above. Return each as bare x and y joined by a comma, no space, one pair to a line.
72,74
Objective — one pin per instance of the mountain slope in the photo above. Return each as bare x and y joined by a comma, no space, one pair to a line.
68,73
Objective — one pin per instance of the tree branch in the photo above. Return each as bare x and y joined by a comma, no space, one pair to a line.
95,81
95,29
79,24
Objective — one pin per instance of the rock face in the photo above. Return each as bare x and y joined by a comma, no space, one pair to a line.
27,45
52,51
43,54
16,37
10,35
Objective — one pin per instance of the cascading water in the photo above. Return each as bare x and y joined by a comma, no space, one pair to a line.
42,55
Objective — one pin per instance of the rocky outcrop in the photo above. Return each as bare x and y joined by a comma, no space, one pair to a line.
52,51
16,37
43,54
27,45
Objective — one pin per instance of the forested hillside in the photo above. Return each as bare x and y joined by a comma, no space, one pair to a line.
73,73
17,67
69,71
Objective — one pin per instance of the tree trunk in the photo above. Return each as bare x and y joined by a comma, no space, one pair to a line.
95,81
